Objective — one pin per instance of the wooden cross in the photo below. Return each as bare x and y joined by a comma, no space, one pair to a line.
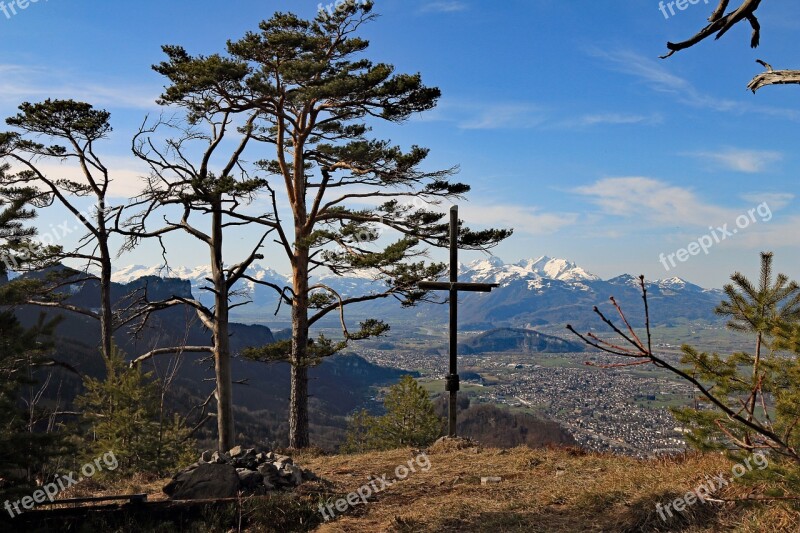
454,286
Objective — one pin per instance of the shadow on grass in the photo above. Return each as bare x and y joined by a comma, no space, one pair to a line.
277,512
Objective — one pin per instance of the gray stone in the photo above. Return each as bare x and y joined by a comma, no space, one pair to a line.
249,480
281,460
490,479
269,471
236,451
293,473
217,458
206,456
207,481
246,459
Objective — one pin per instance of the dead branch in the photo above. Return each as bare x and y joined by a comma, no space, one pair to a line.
773,77
721,24
173,350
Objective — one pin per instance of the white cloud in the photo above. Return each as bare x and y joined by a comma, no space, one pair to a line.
776,200
446,6
503,116
741,160
611,119
658,77
654,202
21,83
523,219
475,115
125,174
656,74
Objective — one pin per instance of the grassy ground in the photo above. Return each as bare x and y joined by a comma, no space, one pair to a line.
539,491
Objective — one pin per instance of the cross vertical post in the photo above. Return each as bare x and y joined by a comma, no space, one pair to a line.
453,286
453,381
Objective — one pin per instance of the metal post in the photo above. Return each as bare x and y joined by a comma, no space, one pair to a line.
452,378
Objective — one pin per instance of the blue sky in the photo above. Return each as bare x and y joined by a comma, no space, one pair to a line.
559,113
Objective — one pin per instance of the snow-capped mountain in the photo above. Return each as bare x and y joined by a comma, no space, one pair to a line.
532,291
197,276
494,270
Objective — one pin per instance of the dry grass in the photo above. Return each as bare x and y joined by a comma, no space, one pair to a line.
551,490
136,484
541,490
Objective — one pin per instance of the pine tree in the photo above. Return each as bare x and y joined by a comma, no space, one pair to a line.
410,420
125,416
307,94
758,392
760,311
360,433
25,449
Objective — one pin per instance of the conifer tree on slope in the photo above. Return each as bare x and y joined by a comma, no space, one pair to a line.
317,96
24,451
66,131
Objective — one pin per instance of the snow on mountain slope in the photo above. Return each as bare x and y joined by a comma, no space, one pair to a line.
490,270
493,270
541,290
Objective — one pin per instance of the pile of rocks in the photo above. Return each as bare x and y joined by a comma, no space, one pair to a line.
240,470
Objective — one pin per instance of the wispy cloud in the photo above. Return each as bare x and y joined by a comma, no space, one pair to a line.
776,200
653,202
444,6
655,74
524,219
126,174
501,116
740,160
611,119
21,83
678,212
659,78
476,115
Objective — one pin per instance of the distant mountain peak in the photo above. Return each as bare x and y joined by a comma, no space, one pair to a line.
484,264
560,269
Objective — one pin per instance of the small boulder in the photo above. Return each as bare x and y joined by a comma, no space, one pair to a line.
236,451
218,458
207,481
281,460
270,472
249,480
294,474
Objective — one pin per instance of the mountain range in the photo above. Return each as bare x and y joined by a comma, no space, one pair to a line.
531,292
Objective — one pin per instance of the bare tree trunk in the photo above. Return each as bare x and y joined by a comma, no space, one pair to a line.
298,401
106,315
298,408
756,364
106,311
222,351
